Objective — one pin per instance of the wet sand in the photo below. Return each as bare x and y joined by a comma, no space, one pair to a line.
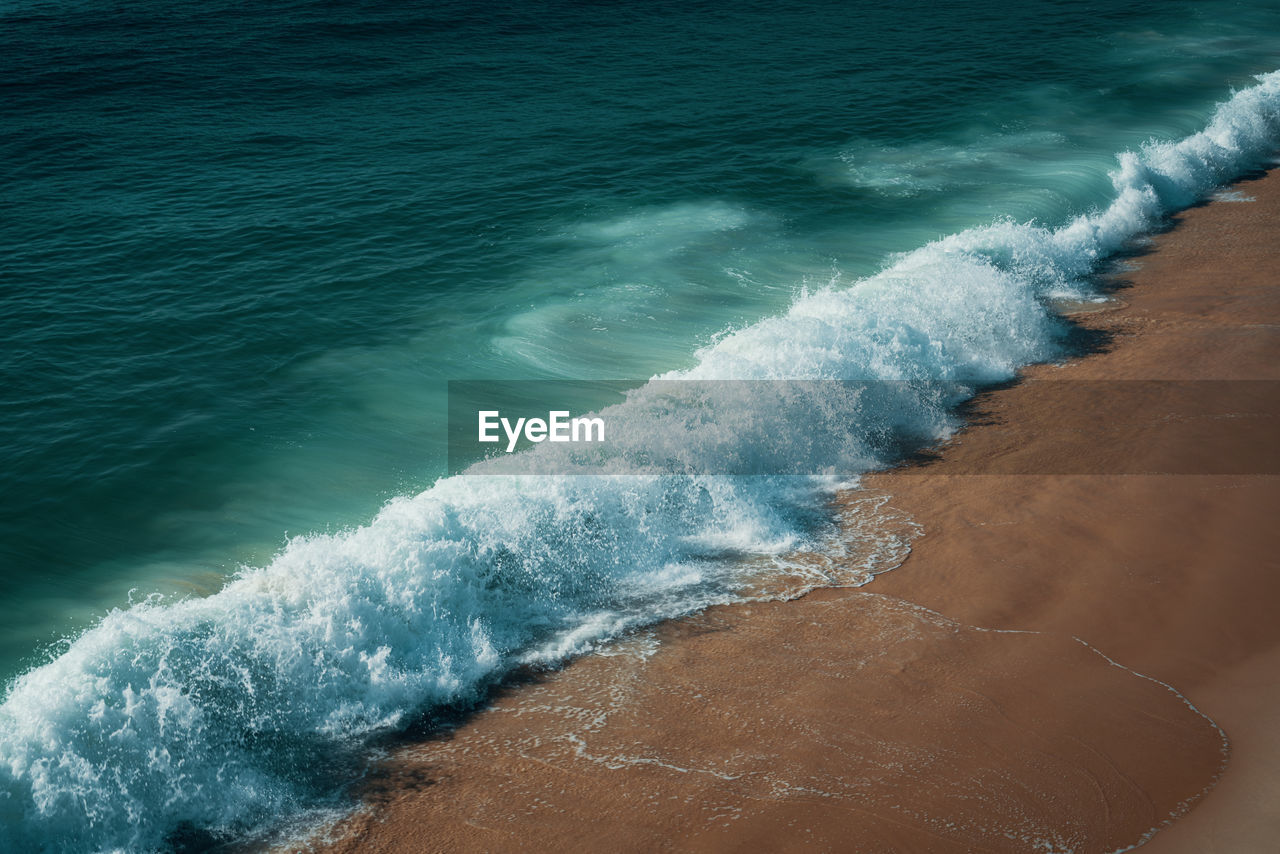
1082,643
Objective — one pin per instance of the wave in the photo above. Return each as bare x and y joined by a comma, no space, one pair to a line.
219,715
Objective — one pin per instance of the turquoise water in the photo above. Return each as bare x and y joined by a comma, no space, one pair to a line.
244,249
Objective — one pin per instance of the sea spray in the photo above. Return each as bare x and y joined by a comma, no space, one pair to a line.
213,714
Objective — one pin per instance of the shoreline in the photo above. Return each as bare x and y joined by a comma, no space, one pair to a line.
1050,666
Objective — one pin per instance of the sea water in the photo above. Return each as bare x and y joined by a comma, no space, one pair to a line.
244,248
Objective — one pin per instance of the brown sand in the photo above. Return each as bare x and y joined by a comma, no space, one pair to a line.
1024,682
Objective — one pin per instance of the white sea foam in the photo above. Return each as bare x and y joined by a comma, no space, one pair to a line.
220,713
924,168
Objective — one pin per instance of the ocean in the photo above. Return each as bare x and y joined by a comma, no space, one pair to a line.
245,247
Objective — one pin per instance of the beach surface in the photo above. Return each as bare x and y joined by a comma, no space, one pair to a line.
1081,652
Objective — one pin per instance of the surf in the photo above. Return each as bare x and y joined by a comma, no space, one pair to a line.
212,714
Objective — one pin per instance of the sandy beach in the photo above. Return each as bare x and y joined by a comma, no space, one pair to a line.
1079,654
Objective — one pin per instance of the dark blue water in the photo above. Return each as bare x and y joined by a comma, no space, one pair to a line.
243,247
